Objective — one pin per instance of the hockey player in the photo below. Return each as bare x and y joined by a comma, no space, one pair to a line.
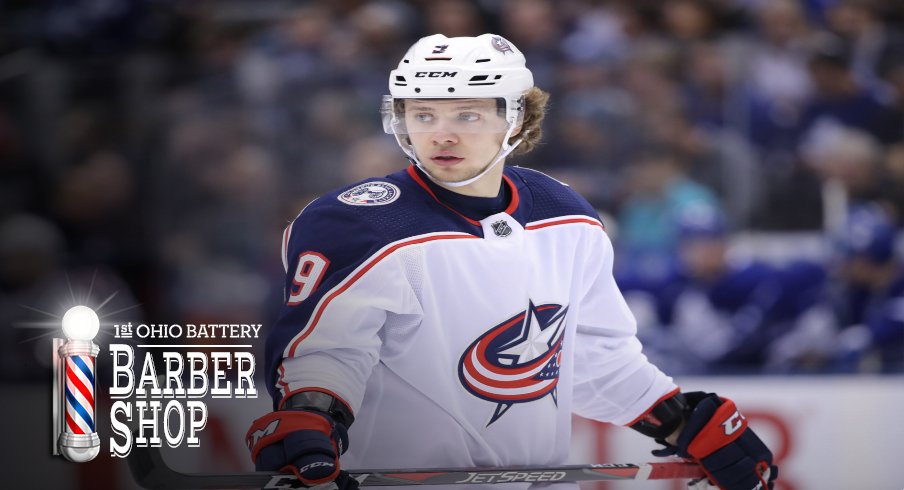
457,312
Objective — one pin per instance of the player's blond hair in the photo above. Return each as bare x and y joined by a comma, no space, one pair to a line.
535,103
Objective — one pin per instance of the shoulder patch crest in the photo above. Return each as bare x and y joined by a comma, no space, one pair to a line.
371,194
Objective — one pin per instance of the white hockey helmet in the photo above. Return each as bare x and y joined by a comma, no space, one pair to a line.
440,67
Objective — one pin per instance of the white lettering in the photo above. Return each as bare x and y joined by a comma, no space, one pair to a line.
217,359
120,370
120,429
733,423
148,377
196,424
174,365
148,422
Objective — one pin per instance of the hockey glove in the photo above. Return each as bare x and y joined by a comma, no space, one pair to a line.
716,436
306,442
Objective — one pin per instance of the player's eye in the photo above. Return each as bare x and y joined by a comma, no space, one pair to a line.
423,117
469,117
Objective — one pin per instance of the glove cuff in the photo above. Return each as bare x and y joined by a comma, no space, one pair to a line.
661,420
321,401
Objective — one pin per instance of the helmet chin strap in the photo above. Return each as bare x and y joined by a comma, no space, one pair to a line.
504,151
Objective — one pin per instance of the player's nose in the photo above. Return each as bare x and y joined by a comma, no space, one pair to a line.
444,137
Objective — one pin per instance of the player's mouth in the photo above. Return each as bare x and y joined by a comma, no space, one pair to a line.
445,160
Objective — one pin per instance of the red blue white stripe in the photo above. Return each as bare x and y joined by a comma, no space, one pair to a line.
80,394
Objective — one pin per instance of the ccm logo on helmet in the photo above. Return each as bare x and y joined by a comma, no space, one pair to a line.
435,74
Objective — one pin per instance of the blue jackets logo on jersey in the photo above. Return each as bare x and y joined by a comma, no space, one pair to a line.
518,360
371,194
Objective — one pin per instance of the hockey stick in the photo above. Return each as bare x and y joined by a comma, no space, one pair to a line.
151,471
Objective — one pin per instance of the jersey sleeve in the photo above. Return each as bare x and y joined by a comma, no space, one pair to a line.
342,282
614,381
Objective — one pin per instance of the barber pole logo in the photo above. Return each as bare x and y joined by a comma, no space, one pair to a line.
80,394
501,228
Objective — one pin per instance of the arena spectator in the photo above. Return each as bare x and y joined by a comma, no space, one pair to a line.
660,194
869,299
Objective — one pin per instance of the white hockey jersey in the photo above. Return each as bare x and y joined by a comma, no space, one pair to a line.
458,343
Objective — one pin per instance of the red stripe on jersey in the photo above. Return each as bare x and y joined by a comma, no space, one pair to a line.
521,382
363,270
482,344
285,244
417,178
566,221
482,354
543,391
513,203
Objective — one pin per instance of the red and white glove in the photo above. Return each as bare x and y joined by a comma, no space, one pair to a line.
307,443
717,437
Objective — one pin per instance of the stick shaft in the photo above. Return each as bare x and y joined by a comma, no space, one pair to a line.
151,471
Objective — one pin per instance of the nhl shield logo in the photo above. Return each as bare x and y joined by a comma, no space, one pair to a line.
501,228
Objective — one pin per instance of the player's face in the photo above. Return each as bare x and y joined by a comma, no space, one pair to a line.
456,139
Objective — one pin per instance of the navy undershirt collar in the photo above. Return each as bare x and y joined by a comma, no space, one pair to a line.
476,208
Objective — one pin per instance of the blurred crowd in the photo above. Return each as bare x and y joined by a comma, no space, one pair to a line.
151,152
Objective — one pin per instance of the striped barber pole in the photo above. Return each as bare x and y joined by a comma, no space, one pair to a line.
80,394
74,432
